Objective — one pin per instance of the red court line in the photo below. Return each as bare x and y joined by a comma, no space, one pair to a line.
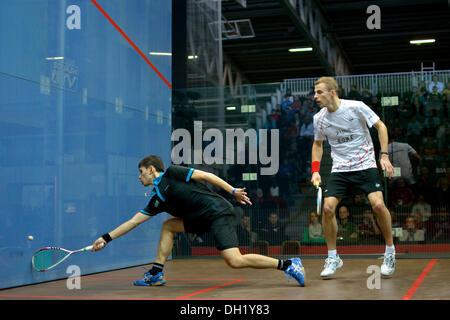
208,289
168,279
77,298
419,280
131,42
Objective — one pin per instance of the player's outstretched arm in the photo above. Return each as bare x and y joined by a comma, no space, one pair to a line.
124,228
239,193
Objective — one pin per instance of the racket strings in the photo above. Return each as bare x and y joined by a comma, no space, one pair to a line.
47,258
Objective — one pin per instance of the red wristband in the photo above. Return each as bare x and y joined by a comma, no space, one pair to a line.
315,166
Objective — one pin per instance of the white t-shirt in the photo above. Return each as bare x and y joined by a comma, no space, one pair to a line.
347,132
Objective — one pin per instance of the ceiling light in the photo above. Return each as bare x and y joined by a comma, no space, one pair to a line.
192,57
54,58
300,49
422,41
160,53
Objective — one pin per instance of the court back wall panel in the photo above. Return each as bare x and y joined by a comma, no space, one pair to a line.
80,106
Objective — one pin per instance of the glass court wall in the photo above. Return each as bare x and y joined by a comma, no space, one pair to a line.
281,221
81,104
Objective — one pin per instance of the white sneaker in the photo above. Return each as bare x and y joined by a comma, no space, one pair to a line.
331,264
388,266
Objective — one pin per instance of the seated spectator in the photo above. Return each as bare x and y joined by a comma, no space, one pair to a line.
347,231
286,103
446,92
289,95
419,107
272,230
314,232
274,189
366,95
291,132
285,174
368,229
425,183
442,194
438,226
430,151
417,96
435,83
434,109
305,139
405,113
270,123
442,134
360,203
394,219
354,93
375,105
414,131
423,89
401,195
245,235
411,233
422,207
297,104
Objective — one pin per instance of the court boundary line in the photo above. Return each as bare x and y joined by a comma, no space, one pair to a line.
419,280
208,289
130,298
94,2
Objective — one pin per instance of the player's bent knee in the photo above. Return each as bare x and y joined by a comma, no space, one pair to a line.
233,258
328,211
378,206
173,224
234,262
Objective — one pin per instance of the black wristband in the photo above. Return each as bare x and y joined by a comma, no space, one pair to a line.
107,237
382,152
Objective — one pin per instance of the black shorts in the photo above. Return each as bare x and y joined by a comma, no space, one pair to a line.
342,184
222,228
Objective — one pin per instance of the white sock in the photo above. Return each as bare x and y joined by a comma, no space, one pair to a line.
390,249
332,253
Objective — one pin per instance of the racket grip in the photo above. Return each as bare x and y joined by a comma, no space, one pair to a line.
89,248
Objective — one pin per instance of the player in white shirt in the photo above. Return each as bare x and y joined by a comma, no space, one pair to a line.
344,123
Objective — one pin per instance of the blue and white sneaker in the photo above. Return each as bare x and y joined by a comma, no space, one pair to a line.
296,271
149,280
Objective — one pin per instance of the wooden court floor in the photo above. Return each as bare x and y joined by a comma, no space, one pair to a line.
212,279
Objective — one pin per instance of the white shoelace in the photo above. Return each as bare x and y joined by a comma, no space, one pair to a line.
329,262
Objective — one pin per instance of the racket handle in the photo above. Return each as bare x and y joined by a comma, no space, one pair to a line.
317,183
88,248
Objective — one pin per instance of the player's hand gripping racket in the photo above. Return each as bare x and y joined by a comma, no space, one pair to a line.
319,199
49,257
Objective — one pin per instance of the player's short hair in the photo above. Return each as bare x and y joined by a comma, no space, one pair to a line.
154,161
329,82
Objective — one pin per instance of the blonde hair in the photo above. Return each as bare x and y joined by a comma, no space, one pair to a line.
329,82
